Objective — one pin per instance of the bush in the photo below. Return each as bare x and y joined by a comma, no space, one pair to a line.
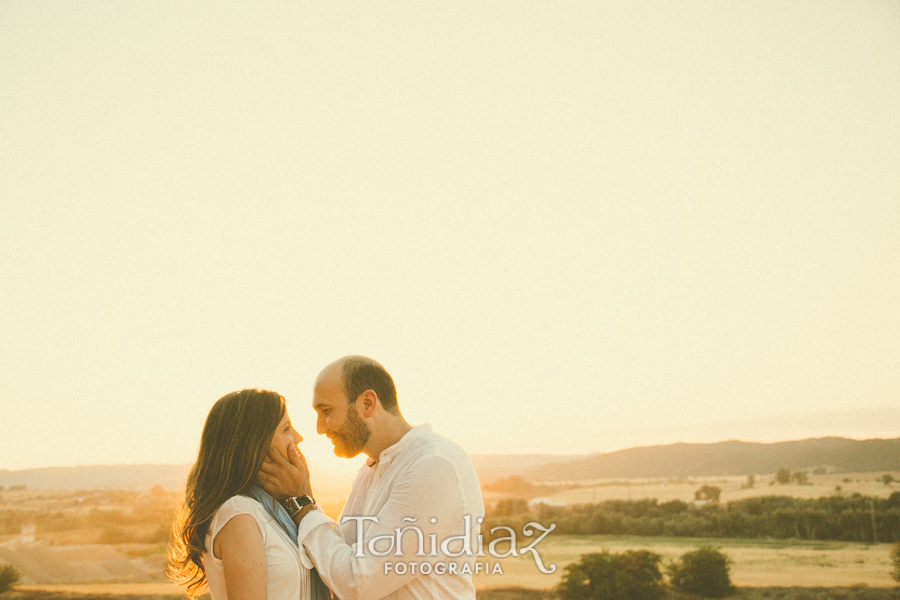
704,572
632,575
9,576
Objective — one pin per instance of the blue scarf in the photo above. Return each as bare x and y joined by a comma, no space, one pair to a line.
317,588
276,510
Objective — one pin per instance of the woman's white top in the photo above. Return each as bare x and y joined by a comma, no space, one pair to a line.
286,578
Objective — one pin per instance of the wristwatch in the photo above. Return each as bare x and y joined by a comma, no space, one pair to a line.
295,504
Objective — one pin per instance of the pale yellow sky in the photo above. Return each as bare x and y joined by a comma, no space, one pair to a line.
563,229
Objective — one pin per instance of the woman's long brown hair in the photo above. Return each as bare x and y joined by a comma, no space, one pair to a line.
234,443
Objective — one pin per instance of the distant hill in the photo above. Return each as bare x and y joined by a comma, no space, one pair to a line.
671,461
94,477
728,458
139,478
491,467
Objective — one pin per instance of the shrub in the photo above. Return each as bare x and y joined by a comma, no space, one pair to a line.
704,572
632,575
9,576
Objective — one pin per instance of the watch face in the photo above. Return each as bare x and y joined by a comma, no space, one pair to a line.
295,504
292,506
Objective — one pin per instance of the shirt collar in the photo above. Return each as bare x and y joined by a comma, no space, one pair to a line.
402,444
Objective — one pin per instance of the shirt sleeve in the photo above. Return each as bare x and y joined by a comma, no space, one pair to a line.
427,497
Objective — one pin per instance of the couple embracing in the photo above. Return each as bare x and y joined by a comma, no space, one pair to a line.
250,527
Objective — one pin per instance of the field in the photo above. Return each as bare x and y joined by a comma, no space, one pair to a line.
112,543
122,570
771,593
757,563
514,593
733,488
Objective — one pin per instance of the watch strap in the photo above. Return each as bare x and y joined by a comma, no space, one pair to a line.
295,504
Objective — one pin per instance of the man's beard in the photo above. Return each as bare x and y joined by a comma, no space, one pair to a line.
353,435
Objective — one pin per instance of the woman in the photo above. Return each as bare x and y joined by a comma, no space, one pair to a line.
231,536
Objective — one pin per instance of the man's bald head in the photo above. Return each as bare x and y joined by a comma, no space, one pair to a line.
361,373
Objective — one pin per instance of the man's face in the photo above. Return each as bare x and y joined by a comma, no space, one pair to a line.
338,419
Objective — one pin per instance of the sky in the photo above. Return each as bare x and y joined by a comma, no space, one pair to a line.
562,227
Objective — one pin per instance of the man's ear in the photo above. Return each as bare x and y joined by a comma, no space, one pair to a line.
368,401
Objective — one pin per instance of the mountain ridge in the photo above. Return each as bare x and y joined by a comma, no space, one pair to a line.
730,457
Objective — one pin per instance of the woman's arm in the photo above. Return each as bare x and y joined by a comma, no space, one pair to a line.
239,545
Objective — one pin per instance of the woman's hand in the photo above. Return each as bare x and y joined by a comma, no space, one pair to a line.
284,478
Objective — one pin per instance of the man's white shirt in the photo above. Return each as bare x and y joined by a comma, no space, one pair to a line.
424,491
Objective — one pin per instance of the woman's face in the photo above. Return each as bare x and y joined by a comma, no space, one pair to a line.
285,436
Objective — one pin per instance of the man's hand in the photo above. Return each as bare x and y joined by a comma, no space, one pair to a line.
284,478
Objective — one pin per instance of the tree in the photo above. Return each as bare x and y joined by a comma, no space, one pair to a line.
801,477
895,558
751,481
893,500
783,476
708,492
9,577
704,572
887,479
632,575
510,506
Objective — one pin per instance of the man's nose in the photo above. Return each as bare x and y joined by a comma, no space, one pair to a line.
320,425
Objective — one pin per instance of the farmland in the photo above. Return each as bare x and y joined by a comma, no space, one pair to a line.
113,542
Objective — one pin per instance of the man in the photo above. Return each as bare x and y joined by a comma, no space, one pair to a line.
409,528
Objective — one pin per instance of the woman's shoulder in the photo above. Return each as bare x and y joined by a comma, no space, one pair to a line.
242,503
237,505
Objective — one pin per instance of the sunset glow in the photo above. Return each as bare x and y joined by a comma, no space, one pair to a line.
562,229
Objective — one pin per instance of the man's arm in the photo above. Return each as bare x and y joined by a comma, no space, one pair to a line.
353,571
429,490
